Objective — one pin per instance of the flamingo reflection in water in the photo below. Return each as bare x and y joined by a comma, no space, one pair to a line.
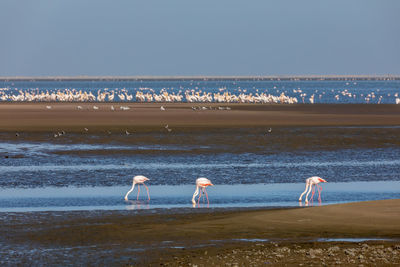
137,205
139,179
311,184
201,185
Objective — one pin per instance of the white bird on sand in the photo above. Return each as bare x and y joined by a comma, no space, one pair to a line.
95,107
168,129
311,183
139,179
127,133
86,129
162,108
48,107
201,184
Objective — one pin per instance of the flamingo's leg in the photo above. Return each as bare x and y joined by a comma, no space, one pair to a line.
198,200
138,192
319,192
205,191
309,190
147,191
313,192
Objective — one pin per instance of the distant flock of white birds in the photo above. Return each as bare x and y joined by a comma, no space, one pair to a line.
189,96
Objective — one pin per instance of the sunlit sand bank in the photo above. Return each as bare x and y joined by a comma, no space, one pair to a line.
40,117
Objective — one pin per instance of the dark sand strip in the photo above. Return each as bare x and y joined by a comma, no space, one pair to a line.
362,219
294,229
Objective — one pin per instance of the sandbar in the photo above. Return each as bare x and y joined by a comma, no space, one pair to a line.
67,116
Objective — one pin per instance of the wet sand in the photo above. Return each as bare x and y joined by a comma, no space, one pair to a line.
66,116
170,237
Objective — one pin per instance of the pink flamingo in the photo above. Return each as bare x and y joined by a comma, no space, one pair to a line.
139,179
311,183
201,183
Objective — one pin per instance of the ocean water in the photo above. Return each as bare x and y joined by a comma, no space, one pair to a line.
324,91
247,168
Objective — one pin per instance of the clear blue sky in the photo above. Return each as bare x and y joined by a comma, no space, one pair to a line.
207,37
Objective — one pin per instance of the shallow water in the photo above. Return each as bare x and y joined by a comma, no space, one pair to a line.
165,168
170,197
248,167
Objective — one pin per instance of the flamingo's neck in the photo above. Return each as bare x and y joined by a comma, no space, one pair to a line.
196,192
133,187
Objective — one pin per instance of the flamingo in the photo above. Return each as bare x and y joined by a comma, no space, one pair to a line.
201,183
311,183
139,179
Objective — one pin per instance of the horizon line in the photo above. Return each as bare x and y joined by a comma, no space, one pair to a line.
202,77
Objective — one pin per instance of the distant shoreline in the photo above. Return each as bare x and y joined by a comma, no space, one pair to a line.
204,78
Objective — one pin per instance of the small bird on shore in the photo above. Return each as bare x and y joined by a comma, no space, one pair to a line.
270,130
167,128
127,133
201,185
95,107
162,108
16,134
311,183
86,129
48,107
139,179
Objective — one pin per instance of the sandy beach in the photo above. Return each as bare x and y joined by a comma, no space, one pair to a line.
67,116
203,236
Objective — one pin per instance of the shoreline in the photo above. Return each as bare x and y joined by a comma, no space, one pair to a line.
36,117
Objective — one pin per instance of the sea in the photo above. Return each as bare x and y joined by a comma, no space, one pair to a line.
250,168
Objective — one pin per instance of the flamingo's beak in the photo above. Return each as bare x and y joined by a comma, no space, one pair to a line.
211,184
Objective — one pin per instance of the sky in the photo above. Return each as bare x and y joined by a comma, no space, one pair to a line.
208,37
